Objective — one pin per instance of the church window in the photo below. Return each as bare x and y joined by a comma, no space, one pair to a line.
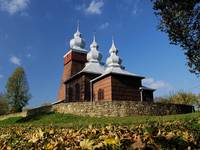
100,94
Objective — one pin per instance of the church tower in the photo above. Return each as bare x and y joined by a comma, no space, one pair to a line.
74,61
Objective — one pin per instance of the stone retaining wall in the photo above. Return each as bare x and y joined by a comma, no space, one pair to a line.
121,108
30,112
21,114
108,108
40,110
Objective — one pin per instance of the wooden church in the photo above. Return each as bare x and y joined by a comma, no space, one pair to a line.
86,78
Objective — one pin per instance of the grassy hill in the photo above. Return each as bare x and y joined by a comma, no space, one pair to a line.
68,120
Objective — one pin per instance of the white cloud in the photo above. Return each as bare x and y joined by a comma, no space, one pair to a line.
95,7
150,82
13,6
104,25
1,76
15,60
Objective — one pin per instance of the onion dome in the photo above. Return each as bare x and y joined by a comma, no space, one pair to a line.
94,55
77,42
113,60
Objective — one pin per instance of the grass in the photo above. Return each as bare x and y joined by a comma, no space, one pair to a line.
74,121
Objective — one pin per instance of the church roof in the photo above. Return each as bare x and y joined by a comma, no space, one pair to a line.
114,65
94,68
146,88
119,72
94,64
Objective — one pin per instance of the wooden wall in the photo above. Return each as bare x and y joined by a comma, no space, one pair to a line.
104,84
125,87
83,80
147,95
118,87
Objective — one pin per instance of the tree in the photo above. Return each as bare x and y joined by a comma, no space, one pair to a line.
180,19
3,104
182,97
17,90
198,105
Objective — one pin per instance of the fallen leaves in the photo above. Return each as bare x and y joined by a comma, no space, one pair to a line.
152,135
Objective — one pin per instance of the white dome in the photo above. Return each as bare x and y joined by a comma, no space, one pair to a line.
94,60
77,42
94,55
113,60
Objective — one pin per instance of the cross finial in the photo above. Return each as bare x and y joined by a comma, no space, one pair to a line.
113,41
94,36
113,48
78,25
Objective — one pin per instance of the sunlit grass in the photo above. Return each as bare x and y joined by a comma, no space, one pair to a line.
74,121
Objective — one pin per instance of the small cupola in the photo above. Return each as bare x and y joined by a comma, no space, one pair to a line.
77,42
94,64
113,60
94,55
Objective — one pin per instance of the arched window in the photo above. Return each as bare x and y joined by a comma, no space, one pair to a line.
100,94
70,93
77,92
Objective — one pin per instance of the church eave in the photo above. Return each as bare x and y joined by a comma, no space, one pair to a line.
76,50
113,73
79,74
147,88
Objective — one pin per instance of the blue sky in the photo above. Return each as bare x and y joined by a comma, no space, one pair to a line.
35,34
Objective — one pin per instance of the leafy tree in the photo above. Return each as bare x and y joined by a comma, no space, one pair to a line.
182,97
17,90
180,19
3,104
